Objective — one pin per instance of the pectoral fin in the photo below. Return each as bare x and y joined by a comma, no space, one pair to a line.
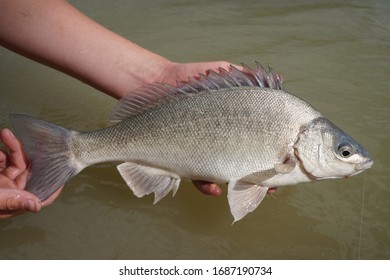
286,166
244,198
257,178
143,180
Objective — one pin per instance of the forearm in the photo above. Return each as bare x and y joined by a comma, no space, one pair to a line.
55,33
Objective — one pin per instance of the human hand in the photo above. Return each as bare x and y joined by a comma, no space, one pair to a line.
14,199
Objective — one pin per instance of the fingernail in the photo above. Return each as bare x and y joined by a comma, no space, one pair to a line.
215,190
10,133
31,205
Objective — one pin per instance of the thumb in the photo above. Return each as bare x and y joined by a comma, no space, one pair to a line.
15,200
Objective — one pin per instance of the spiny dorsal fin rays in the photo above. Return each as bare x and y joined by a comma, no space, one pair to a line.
275,81
226,75
253,75
209,85
271,77
196,83
153,95
240,77
186,87
261,74
222,83
264,78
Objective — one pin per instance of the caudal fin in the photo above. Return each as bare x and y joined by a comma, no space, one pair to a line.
47,147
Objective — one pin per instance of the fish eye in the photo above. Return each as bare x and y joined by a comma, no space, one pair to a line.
345,150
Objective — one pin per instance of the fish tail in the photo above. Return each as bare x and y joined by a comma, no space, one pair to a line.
47,147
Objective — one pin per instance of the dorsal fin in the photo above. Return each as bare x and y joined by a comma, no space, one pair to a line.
153,95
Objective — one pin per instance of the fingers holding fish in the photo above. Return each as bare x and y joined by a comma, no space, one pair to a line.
213,189
272,190
14,200
208,188
14,162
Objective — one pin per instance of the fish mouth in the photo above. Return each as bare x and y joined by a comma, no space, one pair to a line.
364,165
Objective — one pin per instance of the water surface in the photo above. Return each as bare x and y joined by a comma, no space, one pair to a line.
333,54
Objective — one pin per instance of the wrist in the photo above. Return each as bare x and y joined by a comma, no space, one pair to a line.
158,70
140,68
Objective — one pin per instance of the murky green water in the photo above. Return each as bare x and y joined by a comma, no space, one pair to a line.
333,54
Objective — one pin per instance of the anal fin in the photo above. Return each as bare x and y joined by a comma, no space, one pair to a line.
144,180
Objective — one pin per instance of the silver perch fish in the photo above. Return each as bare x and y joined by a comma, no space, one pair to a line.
238,127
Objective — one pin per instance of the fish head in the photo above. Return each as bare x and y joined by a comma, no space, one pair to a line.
326,152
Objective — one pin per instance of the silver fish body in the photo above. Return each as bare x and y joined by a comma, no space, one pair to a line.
240,127
216,136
